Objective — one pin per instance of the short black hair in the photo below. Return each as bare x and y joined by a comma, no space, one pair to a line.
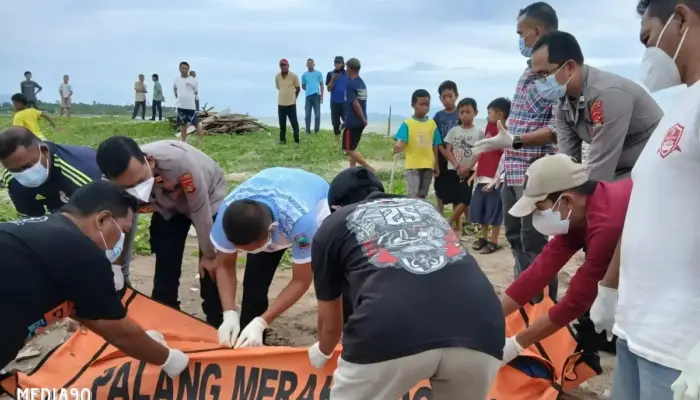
19,98
27,73
99,196
562,47
184,63
662,9
543,13
586,188
155,76
418,94
13,138
447,85
500,104
115,153
467,101
245,221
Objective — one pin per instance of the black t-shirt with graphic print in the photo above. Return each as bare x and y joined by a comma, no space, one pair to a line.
49,270
412,285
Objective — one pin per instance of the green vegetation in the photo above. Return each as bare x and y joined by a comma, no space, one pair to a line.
239,155
93,108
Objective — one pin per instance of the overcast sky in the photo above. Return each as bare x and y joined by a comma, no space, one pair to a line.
235,45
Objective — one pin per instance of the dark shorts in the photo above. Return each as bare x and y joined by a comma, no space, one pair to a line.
465,192
447,186
351,138
486,207
185,117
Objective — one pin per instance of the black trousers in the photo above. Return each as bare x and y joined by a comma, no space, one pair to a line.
137,105
157,105
168,239
337,114
284,112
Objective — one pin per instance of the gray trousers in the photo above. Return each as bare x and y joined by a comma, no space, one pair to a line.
525,241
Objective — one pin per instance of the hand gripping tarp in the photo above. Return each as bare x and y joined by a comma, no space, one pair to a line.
85,360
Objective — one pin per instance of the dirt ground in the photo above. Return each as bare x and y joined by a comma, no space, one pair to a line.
297,327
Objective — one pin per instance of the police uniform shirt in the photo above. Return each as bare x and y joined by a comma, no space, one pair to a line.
71,167
189,182
412,285
298,200
614,115
49,270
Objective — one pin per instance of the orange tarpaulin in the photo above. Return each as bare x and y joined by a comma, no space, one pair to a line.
86,362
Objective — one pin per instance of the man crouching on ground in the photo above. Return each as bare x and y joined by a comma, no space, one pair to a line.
422,308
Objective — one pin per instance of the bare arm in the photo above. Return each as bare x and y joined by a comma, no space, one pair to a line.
130,338
330,324
302,277
48,119
539,137
358,111
226,279
612,276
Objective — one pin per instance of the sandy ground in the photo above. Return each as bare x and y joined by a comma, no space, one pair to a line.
297,327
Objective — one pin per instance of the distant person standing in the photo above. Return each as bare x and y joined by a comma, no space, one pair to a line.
30,89
27,117
196,95
185,89
158,99
140,98
288,88
312,83
355,114
66,92
336,82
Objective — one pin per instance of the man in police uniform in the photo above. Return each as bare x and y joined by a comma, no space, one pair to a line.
613,114
181,186
274,210
40,175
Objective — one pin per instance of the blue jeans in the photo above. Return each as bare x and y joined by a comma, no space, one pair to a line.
313,102
636,378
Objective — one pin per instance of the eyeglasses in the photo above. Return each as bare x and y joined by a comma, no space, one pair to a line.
542,76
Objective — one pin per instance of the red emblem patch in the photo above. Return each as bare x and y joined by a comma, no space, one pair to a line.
669,144
597,113
187,183
146,209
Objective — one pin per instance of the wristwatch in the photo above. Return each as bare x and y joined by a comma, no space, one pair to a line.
517,143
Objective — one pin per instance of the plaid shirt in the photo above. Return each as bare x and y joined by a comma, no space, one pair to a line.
528,113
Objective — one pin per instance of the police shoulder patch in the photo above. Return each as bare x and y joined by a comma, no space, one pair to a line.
302,241
187,183
597,113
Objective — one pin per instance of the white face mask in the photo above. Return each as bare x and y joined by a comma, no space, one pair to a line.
116,250
262,248
33,176
549,222
659,70
143,190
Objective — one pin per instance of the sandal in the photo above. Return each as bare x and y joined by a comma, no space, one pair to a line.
480,244
490,247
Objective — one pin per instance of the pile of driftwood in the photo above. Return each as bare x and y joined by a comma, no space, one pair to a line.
225,122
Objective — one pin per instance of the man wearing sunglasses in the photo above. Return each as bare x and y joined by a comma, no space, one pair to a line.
614,115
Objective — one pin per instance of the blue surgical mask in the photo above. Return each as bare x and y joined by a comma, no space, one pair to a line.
33,176
550,89
524,50
116,250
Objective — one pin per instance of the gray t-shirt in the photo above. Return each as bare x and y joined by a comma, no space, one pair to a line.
462,141
29,89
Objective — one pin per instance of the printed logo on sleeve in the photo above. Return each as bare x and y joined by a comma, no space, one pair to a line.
302,241
187,183
669,144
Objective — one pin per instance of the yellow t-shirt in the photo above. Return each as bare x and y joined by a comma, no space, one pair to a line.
287,87
421,137
29,118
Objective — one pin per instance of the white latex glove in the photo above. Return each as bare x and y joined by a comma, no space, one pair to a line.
118,277
252,335
504,140
157,336
511,350
603,310
687,386
176,363
229,329
316,356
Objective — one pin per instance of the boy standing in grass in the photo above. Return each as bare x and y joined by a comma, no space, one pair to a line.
446,183
419,137
28,117
487,209
459,141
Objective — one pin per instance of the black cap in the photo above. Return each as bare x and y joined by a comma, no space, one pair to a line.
339,59
353,63
353,185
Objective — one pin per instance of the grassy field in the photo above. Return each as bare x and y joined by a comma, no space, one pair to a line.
239,155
